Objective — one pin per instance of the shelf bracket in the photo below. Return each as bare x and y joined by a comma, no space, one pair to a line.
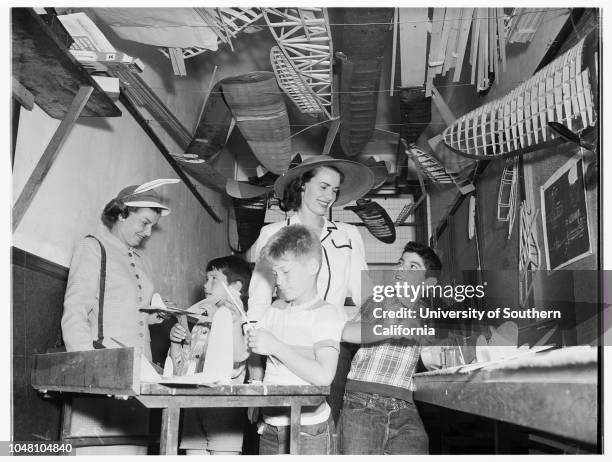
48,157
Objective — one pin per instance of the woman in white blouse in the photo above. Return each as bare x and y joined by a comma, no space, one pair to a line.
310,190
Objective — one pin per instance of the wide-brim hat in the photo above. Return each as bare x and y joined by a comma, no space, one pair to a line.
149,198
358,179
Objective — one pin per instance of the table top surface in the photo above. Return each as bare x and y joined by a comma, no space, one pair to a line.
233,390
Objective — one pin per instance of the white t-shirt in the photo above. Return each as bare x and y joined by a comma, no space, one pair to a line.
306,328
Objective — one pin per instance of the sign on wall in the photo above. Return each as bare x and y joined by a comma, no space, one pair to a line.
565,215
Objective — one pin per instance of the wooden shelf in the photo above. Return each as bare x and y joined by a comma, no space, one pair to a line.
45,67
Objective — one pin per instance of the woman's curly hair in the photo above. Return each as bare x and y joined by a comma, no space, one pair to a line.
116,208
292,195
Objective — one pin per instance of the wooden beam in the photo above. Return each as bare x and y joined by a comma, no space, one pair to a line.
453,17
15,114
164,151
447,115
21,94
178,61
475,47
413,45
394,51
464,32
331,135
502,37
48,157
168,438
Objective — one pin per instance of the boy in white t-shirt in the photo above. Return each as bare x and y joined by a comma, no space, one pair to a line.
300,334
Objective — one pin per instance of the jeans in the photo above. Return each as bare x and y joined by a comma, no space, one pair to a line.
375,424
314,439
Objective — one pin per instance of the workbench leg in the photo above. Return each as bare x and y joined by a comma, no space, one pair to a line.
66,429
296,416
168,438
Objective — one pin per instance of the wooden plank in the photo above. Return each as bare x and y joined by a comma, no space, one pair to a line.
48,157
491,39
413,45
178,61
331,135
447,115
566,406
108,371
495,45
168,438
501,31
81,441
483,51
236,390
441,52
15,115
43,65
22,95
65,426
464,32
436,37
475,46
453,15
296,414
393,51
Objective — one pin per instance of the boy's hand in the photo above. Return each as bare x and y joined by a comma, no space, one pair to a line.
262,342
178,333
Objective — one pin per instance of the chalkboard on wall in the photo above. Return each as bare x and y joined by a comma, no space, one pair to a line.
565,215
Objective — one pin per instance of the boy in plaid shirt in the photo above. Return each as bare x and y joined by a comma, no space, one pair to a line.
378,415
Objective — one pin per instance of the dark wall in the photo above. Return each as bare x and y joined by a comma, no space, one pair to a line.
38,294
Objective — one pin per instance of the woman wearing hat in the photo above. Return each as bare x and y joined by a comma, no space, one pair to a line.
310,190
127,220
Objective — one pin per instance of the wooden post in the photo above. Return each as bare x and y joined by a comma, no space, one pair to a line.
296,416
46,161
65,429
168,439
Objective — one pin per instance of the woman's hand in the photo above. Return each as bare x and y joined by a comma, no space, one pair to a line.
178,334
262,342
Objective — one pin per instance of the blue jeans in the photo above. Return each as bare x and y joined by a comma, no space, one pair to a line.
314,439
375,424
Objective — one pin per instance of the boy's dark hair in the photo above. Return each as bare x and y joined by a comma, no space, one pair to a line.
235,269
430,258
295,239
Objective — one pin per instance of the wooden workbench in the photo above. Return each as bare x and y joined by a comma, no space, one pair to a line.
116,372
555,392
173,399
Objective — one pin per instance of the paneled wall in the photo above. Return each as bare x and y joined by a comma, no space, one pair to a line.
38,291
